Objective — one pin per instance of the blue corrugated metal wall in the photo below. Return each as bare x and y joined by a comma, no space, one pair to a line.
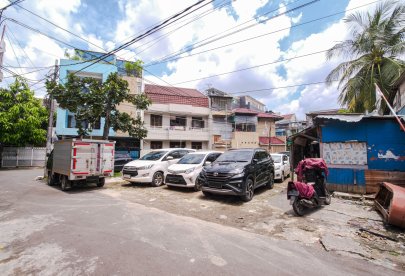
385,147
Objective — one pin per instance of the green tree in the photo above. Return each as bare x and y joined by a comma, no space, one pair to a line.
133,68
90,99
377,42
23,119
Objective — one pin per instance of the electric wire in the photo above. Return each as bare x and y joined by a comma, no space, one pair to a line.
19,45
196,44
176,57
169,21
256,66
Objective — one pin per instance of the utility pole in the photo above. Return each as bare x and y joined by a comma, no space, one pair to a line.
269,145
226,126
50,120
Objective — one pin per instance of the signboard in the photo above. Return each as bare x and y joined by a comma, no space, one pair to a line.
348,153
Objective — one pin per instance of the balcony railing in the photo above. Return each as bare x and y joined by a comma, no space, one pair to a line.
177,133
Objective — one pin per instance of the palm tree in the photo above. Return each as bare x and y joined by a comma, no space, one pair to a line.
374,53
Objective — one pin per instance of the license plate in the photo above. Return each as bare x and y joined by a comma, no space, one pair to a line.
127,176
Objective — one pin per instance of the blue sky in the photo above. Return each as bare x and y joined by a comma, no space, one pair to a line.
235,46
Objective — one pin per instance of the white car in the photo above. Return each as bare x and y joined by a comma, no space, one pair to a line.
281,166
151,167
185,172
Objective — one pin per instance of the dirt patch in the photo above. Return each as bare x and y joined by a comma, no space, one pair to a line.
338,227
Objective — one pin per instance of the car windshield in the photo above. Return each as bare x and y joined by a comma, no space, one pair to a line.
276,158
191,159
153,156
235,156
122,155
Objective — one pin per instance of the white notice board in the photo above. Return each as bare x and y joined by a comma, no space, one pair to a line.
349,153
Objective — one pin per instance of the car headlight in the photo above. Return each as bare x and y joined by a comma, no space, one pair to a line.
146,167
189,170
235,172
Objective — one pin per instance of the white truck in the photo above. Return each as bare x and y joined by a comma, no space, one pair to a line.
80,161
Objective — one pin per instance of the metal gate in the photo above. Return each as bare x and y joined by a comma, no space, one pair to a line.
12,157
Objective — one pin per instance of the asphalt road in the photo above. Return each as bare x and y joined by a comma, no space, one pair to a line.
44,231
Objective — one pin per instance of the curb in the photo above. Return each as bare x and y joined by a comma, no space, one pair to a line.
357,197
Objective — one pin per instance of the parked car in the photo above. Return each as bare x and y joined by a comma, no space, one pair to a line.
151,167
238,172
285,152
281,166
185,172
120,159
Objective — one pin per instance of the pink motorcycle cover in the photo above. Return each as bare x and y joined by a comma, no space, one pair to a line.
309,164
305,190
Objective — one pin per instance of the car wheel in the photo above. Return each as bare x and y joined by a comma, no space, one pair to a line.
270,183
64,183
157,179
198,185
207,194
51,179
249,190
101,182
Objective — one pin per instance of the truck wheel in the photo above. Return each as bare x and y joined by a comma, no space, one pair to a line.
50,180
157,179
101,182
249,190
64,183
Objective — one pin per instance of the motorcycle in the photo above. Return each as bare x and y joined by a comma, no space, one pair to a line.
310,189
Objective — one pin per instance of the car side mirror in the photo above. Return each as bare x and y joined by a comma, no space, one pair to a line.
255,161
169,158
207,163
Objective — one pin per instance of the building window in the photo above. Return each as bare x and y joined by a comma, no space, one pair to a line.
197,122
245,127
177,121
156,120
177,144
156,145
139,87
196,145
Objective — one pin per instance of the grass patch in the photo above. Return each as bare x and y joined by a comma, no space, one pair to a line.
117,174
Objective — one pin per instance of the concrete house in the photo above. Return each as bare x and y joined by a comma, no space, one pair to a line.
66,125
221,111
178,117
360,150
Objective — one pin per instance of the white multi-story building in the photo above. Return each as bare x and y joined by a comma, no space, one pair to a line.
177,118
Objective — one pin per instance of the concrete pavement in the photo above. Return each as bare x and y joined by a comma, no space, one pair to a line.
44,231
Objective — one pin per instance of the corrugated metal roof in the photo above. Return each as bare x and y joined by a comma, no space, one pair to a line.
352,118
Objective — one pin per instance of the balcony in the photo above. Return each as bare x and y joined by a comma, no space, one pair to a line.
177,133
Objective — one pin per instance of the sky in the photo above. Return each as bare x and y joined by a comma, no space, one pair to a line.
273,51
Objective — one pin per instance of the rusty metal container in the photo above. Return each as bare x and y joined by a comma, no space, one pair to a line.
390,202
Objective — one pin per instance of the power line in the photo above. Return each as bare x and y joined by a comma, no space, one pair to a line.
253,67
199,16
149,32
12,48
22,49
198,45
59,27
175,57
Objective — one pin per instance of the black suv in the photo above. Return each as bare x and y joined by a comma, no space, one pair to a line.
238,172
